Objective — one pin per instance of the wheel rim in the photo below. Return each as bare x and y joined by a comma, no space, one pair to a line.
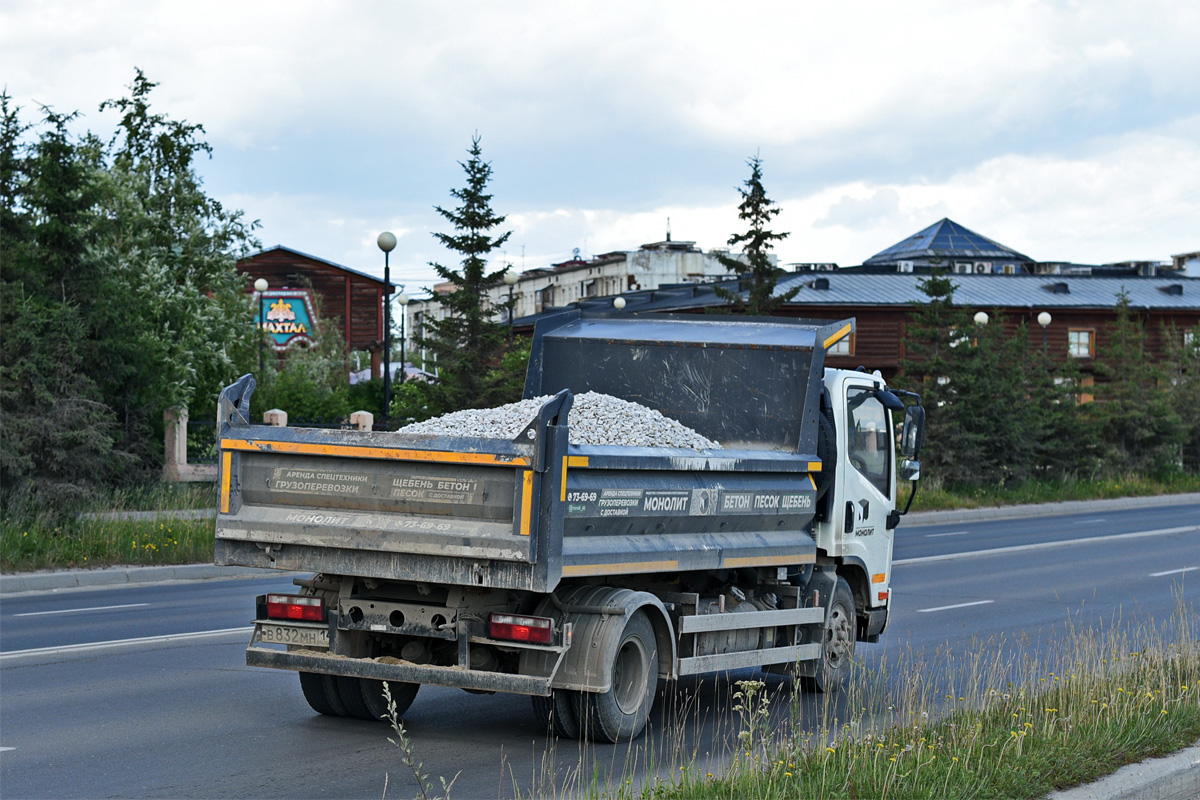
629,675
838,643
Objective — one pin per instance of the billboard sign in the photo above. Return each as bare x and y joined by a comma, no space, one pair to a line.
288,316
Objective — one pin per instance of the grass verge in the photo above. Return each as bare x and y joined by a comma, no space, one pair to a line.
934,496
32,540
972,728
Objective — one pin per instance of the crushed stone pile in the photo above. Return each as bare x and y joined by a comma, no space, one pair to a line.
595,418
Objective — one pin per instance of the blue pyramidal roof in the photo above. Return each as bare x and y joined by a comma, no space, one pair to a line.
948,240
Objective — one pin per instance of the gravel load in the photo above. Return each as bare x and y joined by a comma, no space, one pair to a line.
595,418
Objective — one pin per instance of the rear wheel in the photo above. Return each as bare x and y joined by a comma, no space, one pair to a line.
558,711
837,653
363,697
403,695
321,692
620,714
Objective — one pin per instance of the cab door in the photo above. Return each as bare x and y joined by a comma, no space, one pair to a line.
868,484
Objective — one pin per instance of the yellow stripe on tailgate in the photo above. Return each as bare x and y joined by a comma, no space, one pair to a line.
395,454
527,501
226,479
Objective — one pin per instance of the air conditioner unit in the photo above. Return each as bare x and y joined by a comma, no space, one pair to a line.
904,266
982,268
963,267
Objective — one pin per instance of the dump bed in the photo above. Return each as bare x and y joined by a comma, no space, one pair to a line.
527,513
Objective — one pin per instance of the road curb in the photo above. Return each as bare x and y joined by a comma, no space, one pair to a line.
123,576
1047,509
1172,777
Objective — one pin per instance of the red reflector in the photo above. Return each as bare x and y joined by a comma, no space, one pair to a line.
536,630
292,606
884,595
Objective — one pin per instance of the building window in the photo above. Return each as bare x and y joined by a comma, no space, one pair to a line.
1081,343
843,346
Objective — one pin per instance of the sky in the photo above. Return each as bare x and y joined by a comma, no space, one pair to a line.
1067,131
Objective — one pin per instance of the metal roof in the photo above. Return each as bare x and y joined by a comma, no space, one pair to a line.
318,259
999,291
948,240
858,289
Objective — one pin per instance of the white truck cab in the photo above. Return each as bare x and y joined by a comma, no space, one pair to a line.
857,531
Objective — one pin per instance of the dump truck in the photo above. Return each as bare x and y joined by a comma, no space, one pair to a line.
579,574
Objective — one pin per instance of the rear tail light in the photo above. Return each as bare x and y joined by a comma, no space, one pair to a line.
516,628
294,606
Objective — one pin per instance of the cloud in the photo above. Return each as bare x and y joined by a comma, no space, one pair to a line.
1064,130
856,212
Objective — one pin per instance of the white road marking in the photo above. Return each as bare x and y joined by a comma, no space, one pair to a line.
1044,545
79,610
956,605
1087,521
170,637
6,749
951,533
1172,572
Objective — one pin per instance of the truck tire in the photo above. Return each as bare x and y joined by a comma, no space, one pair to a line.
558,710
620,714
321,692
837,643
363,697
403,695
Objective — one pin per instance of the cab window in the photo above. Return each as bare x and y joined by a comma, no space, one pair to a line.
868,446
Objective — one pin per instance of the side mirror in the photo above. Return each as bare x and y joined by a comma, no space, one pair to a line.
912,436
910,470
890,401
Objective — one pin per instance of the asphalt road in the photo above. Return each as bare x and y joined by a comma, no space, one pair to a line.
85,712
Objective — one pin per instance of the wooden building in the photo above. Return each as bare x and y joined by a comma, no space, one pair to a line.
1082,310
349,299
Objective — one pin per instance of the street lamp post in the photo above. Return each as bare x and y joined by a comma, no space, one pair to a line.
387,243
981,318
619,303
261,287
403,299
1044,319
511,279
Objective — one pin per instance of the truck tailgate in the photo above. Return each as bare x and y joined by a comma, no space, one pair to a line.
373,493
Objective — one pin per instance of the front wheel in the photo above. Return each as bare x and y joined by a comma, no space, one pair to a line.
837,653
620,714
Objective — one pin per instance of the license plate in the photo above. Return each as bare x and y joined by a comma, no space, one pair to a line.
272,633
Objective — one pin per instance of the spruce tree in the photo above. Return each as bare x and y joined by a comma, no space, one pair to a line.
468,343
756,274
1140,428
1183,385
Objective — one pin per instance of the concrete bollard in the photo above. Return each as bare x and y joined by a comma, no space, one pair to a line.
362,420
175,419
276,417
